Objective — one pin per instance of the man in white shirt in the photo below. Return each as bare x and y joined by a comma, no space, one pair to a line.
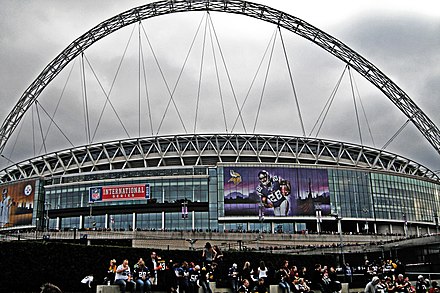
123,277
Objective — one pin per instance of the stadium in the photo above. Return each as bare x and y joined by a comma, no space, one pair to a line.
221,182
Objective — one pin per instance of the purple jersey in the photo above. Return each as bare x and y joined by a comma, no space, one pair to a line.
271,191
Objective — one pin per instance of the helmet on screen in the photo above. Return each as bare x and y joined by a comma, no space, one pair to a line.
264,177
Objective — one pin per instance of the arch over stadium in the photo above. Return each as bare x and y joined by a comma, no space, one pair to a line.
332,45
144,183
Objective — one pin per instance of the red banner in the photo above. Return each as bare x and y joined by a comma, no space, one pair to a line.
120,192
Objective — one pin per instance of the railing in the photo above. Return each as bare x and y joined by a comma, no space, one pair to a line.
282,243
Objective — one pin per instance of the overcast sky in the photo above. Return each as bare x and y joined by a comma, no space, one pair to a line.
402,38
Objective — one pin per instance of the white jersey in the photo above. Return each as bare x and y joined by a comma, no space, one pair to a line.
124,274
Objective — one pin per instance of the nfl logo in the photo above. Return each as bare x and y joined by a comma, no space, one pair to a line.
95,194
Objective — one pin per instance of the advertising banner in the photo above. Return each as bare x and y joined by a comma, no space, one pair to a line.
119,192
252,191
17,204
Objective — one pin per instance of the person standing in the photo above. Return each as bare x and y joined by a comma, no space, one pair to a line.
170,277
153,266
218,255
262,271
5,208
283,277
316,278
182,274
123,277
233,277
208,253
348,273
246,271
194,275
203,280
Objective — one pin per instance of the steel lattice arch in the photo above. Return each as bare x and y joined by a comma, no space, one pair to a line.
198,176
332,45
210,150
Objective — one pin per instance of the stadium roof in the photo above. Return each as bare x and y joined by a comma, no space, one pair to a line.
208,150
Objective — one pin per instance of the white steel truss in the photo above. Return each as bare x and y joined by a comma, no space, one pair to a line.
210,150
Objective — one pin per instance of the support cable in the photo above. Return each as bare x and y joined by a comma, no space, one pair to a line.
181,70
139,79
7,159
364,112
355,106
395,134
324,112
218,81
168,88
292,83
58,103
200,75
254,79
264,84
107,96
41,128
85,103
107,100
328,43
18,135
33,132
229,76
54,123
147,96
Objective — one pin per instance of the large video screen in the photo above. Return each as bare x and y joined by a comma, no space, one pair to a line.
17,204
252,191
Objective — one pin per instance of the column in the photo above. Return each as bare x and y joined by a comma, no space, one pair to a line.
81,222
134,222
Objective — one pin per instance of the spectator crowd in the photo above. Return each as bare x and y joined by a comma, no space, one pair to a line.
383,276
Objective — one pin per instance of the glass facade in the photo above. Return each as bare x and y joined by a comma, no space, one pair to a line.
402,198
189,198
169,187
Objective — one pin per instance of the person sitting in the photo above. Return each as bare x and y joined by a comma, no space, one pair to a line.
372,285
422,285
300,286
244,288
434,287
402,285
142,277
50,288
123,277
326,282
260,287
111,272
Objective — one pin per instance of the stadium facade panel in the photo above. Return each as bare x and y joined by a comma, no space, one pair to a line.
222,182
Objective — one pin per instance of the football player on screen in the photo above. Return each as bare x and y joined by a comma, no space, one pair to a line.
274,192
